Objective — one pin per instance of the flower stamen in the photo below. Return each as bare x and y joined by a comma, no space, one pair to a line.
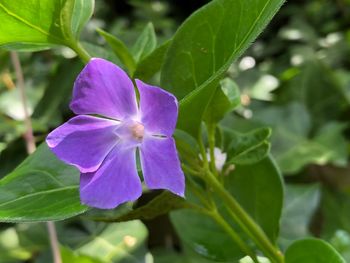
138,131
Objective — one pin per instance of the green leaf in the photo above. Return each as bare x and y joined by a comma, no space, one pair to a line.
248,148
162,204
294,147
120,49
300,204
341,242
11,249
100,52
42,188
58,90
145,44
317,88
81,11
204,236
336,208
312,251
117,242
69,256
226,98
12,155
256,187
59,22
152,63
205,46
161,255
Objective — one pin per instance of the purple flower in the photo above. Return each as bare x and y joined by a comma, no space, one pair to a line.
104,148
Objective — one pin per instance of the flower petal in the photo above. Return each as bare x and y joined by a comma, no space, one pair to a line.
158,109
161,166
115,182
83,141
104,88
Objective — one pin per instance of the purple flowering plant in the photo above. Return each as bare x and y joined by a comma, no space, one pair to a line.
110,127
127,134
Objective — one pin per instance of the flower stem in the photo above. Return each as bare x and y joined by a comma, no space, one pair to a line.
30,144
245,221
211,210
80,50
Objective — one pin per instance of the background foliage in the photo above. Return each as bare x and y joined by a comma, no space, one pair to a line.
285,103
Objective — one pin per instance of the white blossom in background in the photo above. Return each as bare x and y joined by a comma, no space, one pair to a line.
220,158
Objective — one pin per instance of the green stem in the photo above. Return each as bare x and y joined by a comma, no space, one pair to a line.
211,211
236,238
189,170
211,139
81,52
197,191
203,152
245,221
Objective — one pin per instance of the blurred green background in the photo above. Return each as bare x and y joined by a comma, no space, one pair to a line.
295,78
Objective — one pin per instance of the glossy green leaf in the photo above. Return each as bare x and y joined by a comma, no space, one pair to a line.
120,49
162,204
59,22
226,98
300,204
255,187
247,148
145,44
118,242
205,46
204,236
312,251
151,64
42,188
80,12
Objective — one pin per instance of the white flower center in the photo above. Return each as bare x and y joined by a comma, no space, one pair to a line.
137,131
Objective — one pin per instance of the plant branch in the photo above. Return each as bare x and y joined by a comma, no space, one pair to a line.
236,238
28,134
244,220
30,144
81,52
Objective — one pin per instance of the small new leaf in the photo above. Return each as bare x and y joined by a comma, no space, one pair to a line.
248,148
145,44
